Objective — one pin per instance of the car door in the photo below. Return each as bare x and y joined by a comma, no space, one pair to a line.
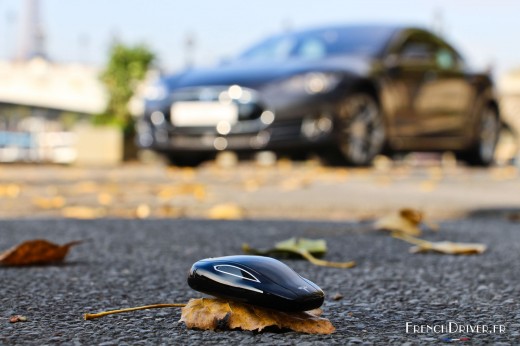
452,95
435,96
412,73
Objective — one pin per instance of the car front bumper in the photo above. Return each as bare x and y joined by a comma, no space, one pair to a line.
288,134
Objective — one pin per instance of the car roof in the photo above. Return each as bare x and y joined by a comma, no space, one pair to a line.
356,26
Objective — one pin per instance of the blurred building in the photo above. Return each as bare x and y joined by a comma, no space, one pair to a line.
509,97
509,88
41,100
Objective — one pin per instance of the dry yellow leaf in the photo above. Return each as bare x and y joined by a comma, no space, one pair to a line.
196,190
17,318
504,173
251,185
212,314
428,186
79,212
382,163
445,247
35,252
188,173
170,211
143,211
49,203
284,164
105,198
199,192
406,221
295,183
85,187
226,211
10,190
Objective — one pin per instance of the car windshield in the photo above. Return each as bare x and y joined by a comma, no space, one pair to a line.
315,44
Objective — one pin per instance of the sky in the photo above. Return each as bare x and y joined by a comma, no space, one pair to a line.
485,31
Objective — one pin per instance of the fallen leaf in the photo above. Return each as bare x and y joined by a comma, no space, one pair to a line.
295,183
226,211
35,252
10,190
382,163
504,173
284,164
79,212
290,248
251,185
337,296
196,190
406,221
514,217
85,187
143,211
105,199
428,186
445,247
213,314
188,173
170,211
49,203
309,249
17,318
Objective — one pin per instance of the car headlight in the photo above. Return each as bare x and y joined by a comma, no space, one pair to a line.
312,83
156,91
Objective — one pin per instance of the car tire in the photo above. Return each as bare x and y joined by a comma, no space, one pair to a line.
482,151
360,129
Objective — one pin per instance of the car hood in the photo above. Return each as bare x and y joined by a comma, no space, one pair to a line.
257,74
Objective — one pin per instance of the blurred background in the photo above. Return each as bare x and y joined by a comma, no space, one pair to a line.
72,74
56,58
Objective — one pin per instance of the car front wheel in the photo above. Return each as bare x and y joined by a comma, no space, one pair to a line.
361,129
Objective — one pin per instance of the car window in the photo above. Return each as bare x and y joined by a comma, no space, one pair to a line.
273,49
447,59
312,49
417,50
315,44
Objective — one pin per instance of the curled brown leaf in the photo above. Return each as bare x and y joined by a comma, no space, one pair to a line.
213,314
37,251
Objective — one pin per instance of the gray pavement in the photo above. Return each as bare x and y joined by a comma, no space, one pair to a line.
136,262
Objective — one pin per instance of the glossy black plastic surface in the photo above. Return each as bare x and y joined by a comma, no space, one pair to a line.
256,280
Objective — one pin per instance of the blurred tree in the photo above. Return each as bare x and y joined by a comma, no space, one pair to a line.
126,67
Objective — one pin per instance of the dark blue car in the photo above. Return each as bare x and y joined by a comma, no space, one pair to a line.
348,93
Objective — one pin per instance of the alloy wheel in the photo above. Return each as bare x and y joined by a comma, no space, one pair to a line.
362,129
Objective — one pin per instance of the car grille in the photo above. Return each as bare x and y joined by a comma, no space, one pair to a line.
249,106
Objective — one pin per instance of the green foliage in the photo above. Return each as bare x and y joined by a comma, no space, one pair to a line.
126,67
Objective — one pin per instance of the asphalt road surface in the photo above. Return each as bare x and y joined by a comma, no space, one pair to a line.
146,225
137,262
